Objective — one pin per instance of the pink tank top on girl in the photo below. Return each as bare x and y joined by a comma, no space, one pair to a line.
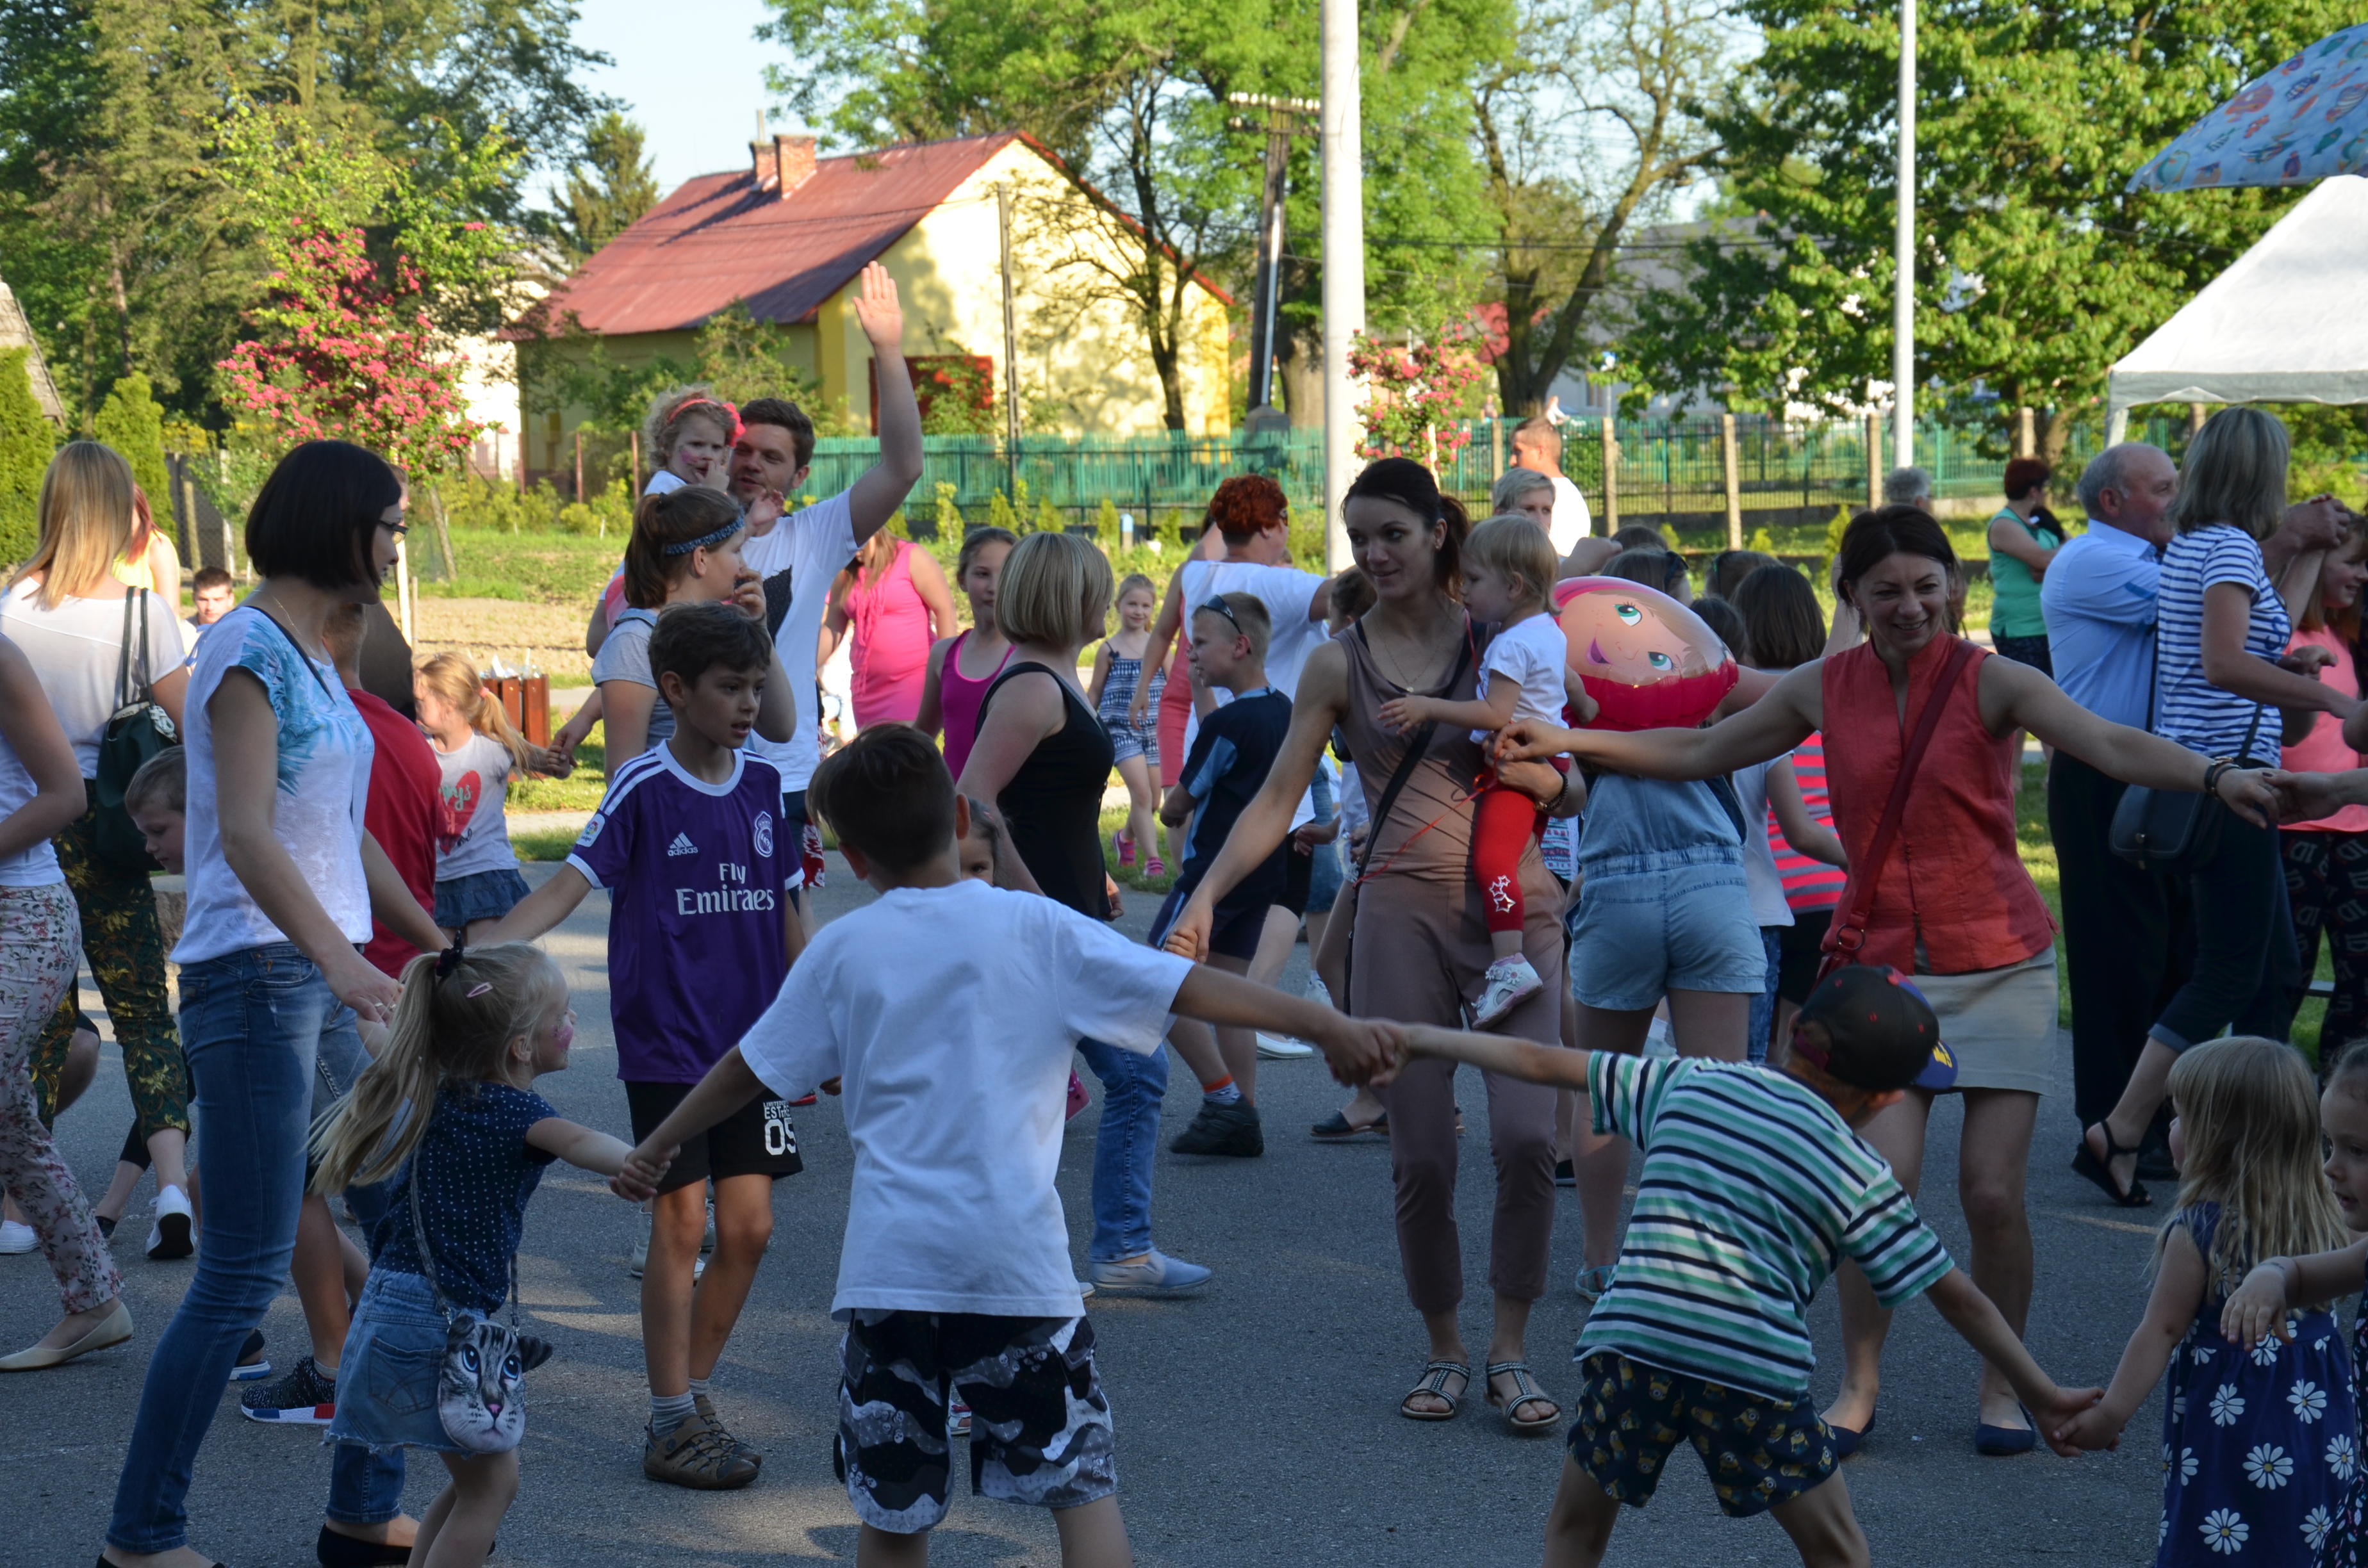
958,699
891,630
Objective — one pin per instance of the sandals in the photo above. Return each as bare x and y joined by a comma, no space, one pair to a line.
1338,1125
1525,1392
1593,1282
1434,1383
2086,1163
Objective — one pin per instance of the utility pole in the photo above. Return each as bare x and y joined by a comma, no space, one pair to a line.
1344,264
1283,117
1903,285
1011,324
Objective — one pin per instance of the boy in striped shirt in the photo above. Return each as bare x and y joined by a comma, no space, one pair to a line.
1755,1186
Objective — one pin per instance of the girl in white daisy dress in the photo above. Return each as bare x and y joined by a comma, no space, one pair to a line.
2258,1446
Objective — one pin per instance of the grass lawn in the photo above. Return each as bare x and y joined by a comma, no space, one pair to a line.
542,568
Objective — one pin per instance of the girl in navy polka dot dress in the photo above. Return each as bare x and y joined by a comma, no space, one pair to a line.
2260,1433
473,1032
2262,1311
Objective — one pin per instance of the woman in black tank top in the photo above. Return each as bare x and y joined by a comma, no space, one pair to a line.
1052,804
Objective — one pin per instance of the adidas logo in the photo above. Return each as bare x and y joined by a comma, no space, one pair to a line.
682,845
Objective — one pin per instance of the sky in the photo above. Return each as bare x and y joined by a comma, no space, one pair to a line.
694,82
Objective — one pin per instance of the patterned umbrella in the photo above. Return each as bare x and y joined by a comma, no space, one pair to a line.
2295,125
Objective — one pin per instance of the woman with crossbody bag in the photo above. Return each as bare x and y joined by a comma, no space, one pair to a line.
1419,942
283,880
1917,724
427,1363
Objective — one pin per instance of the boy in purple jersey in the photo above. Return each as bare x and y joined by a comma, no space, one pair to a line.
689,844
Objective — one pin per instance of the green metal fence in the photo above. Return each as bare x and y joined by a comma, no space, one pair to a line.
1665,468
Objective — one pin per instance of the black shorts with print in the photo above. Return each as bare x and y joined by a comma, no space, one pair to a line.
758,1139
1040,1425
1760,1452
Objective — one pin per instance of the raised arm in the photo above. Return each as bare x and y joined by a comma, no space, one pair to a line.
1513,1057
1768,728
541,910
2016,696
1266,821
881,491
1163,639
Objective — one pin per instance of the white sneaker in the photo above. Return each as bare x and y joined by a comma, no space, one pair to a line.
1276,1047
1320,993
15,1237
1508,983
957,1418
170,1236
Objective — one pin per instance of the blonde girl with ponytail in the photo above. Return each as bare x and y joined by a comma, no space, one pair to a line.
477,753
450,1114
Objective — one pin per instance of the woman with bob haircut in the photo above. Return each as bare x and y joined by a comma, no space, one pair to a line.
2222,627
1043,759
283,881
1420,931
79,624
1962,917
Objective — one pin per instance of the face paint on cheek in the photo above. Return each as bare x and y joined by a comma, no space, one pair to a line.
563,1036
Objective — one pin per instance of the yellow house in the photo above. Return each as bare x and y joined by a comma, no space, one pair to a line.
791,234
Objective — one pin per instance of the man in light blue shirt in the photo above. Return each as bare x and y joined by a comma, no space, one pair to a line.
2098,592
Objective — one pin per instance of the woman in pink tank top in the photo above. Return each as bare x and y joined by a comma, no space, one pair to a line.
894,598
1949,903
962,667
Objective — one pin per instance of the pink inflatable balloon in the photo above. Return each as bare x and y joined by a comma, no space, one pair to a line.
1652,662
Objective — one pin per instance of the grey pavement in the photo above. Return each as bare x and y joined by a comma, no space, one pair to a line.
1255,1423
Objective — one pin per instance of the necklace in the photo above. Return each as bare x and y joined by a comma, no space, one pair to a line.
1389,667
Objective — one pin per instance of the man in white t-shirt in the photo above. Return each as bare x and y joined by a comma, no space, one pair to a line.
1537,446
799,555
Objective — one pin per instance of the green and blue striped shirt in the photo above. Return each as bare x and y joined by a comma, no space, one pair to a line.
1754,1190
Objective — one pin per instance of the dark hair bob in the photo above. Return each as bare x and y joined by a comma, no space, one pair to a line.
315,516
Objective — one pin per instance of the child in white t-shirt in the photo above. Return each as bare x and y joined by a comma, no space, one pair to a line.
949,1011
1508,573
477,754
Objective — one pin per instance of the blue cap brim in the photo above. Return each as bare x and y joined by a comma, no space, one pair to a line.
1941,1072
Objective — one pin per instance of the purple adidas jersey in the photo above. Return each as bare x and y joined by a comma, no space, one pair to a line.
699,882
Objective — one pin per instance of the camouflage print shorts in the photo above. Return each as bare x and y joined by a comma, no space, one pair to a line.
1040,1425
1760,1451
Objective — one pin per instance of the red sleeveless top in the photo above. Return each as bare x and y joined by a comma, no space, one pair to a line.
1954,878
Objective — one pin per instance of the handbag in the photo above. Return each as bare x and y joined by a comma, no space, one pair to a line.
138,730
481,1382
1847,932
1416,745
2172,830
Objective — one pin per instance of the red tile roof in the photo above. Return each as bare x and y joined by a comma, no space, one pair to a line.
718,238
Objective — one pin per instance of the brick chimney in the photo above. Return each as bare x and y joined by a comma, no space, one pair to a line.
793,161
765,159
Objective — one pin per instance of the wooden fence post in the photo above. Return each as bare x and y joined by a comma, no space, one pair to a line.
637,465
1610,474
579,465
2026,434
1873,459
1733,482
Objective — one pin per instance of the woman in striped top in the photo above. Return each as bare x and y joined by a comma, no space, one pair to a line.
2222,675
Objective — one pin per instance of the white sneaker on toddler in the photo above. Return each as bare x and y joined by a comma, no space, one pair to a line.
1508,983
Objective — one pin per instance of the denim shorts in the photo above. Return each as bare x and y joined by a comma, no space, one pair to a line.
487,895
1682,922
387,1376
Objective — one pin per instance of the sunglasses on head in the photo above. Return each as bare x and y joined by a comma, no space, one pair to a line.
1219,606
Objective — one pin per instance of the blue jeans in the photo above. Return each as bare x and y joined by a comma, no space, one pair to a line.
252,1024
1324,878
1134,1085
1763,1006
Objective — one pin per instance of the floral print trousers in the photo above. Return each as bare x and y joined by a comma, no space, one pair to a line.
40,935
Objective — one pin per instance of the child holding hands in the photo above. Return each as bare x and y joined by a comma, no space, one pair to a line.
2261,1315
1754,1184
950,1010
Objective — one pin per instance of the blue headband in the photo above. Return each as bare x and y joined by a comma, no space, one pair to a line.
703,540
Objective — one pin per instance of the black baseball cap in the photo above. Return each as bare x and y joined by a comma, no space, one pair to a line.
1868,1025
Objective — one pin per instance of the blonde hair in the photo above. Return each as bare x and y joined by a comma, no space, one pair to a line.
1054,590
1132,581
454,679
87,521
2346,621
2234,473
673,409
1507,492
2248,1113
1249,618
1516,546
450,1027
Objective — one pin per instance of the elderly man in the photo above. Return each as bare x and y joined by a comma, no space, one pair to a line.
2124,929
1907,487
1537,446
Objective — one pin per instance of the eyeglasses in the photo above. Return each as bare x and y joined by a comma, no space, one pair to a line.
397,530
1219,606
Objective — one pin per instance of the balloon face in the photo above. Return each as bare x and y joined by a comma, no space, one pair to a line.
1648,660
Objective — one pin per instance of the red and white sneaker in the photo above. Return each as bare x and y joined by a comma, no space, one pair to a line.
305,1397
957,1418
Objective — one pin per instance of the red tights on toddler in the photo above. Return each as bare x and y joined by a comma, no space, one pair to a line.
1503,822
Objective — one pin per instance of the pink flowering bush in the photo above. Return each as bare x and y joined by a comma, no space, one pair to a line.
1414,396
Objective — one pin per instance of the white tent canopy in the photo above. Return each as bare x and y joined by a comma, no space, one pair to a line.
2287,324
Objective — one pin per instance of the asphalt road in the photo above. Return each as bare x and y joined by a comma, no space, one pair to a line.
1255,1423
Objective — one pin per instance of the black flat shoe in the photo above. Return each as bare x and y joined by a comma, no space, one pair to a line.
2002,1442
1336,1126
2086,1163
1846,1442
334,1550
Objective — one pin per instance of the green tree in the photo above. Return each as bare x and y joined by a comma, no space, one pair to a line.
2034,269
609,186
133,424
26,440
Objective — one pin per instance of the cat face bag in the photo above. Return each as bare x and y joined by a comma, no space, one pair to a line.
480,1386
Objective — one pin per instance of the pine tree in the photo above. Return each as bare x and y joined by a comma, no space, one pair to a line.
26,442
610,186
133,424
